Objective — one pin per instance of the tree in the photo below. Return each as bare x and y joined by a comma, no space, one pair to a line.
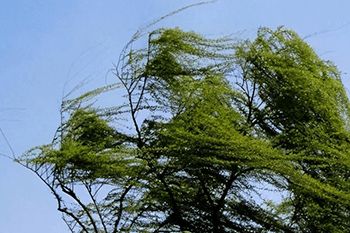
213,124
297,101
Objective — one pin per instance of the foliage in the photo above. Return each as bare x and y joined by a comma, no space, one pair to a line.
215,128
301,106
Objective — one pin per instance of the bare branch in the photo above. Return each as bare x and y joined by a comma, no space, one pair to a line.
9,145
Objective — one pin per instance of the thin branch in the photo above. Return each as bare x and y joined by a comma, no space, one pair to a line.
140,32
71,193
57,197
121,208
326,31
8,109
9,145
6,156
89,190
175,12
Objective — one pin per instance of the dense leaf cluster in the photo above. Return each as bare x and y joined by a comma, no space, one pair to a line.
222,136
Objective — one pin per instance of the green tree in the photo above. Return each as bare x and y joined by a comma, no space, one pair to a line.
212,126
298,103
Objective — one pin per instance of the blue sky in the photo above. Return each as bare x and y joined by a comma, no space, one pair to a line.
44,44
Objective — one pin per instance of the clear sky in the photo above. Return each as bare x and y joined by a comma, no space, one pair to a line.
43,44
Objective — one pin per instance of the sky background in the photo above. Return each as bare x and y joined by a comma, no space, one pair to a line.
44,44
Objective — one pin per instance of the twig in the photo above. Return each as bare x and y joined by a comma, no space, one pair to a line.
9,145
326,31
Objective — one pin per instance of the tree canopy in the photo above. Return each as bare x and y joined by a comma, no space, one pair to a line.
213,135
